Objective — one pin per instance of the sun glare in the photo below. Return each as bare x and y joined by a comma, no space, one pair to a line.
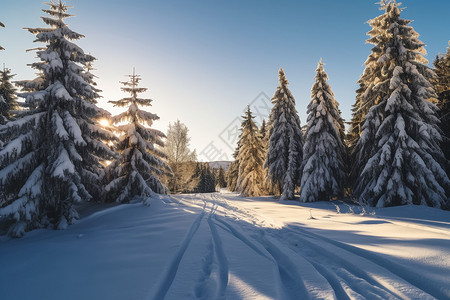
104,122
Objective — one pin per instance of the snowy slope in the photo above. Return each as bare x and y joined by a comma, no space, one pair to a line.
217,246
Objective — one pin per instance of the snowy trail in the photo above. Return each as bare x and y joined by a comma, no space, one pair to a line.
168,278
312,266
223,246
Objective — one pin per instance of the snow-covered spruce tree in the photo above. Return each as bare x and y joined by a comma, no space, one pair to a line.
401,130
136,172
285,153
369,92
220,178
52,155
263,130
251,157
265,137
442,87
233,171
324,153
206,181
366,95
8,97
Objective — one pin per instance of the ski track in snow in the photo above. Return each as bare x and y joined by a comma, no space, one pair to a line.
306,265
174,264
223,246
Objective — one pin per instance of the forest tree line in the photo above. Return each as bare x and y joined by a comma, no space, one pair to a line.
396,151
55,152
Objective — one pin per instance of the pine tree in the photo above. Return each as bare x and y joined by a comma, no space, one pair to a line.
221,182
368,93
52,157
2,25
324,152
265,139
140,164
285,152
400,131
233,171
251,156
8,97
206,180
232,176
442,87
263,130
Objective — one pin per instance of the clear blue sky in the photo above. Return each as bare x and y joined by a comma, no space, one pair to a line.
204,61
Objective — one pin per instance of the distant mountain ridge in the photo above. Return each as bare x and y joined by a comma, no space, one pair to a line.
221,163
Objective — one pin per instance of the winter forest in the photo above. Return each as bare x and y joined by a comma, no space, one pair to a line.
141,204
58,148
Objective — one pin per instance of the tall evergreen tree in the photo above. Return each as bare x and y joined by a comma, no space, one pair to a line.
442,87
285,153
251,156
400,131
140,164
8,97
368,79
52,157
263,130
324,153
369,92
233,171
206,180
220,180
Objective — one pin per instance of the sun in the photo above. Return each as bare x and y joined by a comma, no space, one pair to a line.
104,122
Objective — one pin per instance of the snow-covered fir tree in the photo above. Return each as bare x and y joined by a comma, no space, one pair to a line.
263,130
52,155
205,178
137,170
324,153
220,178
232,175
233,171
401,130
442,87
369,93
8,97
285,154
251,157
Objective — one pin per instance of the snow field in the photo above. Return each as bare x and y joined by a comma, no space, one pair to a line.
223,246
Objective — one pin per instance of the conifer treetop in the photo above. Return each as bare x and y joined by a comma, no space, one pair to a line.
134,114
282,78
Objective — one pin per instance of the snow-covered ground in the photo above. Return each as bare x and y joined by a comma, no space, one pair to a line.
217,246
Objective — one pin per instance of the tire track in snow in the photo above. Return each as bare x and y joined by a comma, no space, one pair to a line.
171,272
288,277
344,277
347,256
203,287
220,256
347,279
